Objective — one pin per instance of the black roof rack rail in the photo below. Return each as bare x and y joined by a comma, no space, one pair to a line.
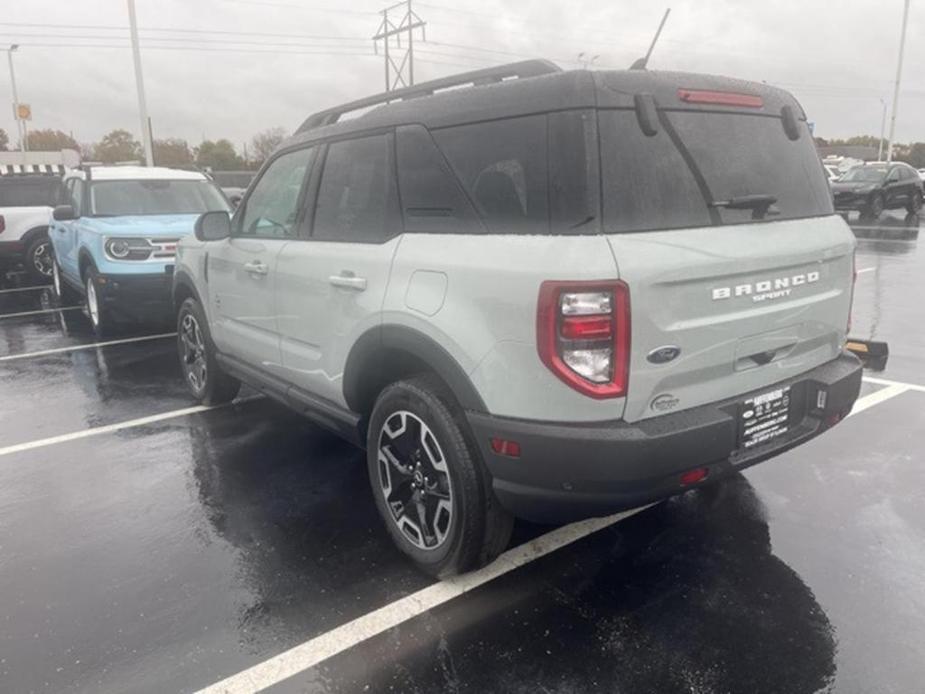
525,68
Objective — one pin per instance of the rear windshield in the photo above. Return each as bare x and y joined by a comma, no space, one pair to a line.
698,163
30,192
866,174
154,197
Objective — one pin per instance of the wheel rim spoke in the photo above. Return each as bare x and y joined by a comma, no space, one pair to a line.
413,473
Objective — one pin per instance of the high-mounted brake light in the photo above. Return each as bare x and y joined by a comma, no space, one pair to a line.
583,335
702,96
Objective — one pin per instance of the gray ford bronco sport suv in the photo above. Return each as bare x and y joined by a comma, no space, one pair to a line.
536,293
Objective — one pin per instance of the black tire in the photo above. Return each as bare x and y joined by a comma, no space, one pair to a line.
915,204
39,259
875,207
478,529
201,372
61,291
101,318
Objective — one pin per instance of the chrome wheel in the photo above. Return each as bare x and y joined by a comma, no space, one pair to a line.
93,306
193,352
415,481
42,260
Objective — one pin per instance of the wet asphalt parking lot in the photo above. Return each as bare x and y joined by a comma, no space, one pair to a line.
149,547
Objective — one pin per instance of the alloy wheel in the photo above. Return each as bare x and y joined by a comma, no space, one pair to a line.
93,306
42,259
414,480
193,352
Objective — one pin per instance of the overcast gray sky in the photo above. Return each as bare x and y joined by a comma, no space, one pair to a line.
269,62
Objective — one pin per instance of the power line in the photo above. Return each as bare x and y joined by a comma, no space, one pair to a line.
124,46
197,41
307,8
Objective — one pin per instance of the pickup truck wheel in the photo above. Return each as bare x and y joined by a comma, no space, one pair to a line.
429,482
40,259
201,372
100,317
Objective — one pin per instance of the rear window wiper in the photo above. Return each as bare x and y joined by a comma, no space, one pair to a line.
759,204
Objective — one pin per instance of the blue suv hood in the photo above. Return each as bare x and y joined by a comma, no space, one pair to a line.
153,225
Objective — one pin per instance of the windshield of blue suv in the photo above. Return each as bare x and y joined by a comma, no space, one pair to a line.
143,197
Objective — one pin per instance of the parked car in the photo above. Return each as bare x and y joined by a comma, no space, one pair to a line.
26,201
532,292
115,240
873,188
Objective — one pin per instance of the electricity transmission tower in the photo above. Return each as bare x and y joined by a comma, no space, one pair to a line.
398,20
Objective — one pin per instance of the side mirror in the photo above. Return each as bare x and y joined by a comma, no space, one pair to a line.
213,226
63,213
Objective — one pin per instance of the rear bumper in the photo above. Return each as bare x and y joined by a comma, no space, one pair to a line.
570,471
143,296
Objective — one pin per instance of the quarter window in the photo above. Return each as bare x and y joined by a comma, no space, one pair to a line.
357,200
272,209
77,195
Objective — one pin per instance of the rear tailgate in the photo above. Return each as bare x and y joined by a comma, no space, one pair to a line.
720,218
747,306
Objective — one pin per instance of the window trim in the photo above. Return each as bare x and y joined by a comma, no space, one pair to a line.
237,219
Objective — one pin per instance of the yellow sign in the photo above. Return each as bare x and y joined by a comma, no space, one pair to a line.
23,112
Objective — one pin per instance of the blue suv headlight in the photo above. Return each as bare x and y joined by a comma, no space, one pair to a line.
128,248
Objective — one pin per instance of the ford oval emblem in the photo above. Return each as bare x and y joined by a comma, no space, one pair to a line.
664,354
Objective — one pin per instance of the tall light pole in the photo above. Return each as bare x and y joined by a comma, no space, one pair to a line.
20,126
140,83
882,129
899,74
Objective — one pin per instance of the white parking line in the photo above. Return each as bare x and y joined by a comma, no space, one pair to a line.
314,651
37,312
109,428
328,644
887,382
25,289
92,345
866,269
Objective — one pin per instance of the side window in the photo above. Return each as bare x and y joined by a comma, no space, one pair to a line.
357,199
272,208
77,195
502,165
431,198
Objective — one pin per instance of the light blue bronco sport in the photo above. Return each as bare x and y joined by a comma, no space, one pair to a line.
115,242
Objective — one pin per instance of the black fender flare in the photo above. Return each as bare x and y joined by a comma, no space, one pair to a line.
33,234
367,353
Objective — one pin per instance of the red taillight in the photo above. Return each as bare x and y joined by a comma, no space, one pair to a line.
694,476
2,224
583,335
701,96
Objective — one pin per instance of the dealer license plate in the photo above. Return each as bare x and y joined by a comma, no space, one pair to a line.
763,418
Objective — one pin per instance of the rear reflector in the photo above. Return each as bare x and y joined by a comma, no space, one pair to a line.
697,96
694,476
586,327
504,447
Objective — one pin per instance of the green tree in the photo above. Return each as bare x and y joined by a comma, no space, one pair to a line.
914,155
4,140
265,142
117,146
172,152
50,141
218,155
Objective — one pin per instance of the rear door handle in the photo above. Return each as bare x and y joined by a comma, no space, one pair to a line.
255,267
348,281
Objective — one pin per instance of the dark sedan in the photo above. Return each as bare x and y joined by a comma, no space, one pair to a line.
873,188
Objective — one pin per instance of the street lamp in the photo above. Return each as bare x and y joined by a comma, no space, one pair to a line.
20,124
882,129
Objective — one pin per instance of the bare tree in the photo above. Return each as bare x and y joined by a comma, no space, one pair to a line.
265,142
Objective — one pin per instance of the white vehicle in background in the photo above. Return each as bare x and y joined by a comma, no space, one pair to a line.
922,174
27,196
832,172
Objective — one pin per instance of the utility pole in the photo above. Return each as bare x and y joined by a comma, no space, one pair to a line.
882,129
400,62
139,82
20,123
899,74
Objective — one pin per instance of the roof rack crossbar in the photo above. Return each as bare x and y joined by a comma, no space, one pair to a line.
520,70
